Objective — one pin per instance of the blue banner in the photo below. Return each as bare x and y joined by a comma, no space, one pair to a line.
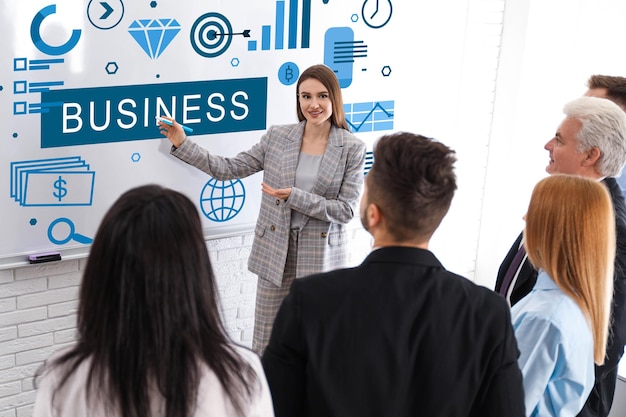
125,113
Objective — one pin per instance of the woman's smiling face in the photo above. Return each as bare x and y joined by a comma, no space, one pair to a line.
315,101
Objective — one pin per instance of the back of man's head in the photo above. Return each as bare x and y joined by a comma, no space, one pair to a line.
608,86
604,127
412,182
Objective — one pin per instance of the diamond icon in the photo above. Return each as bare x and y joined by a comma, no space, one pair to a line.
154,35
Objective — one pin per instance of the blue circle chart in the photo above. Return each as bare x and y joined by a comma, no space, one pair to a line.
35,34
221,201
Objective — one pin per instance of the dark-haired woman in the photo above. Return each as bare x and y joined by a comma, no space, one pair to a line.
150,339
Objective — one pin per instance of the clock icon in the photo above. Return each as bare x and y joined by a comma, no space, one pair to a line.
376,13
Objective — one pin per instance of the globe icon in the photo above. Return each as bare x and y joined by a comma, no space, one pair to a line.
220,201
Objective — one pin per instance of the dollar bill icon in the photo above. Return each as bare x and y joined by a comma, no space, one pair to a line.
52,182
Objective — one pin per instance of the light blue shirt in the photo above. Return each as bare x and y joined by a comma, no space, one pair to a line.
556,350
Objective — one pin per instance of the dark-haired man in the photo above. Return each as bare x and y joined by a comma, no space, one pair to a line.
608,86
398,335
612,87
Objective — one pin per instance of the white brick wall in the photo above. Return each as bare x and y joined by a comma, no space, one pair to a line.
38,310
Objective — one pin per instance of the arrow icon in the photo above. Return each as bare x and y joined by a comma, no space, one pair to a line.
245,33
108,10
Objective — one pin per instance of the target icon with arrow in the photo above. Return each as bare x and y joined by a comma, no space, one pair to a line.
212,33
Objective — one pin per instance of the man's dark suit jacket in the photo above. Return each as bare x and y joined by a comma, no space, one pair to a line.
601,398
527,275
396,336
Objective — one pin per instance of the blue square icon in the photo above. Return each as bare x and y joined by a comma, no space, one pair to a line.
19,87
19,64
19,107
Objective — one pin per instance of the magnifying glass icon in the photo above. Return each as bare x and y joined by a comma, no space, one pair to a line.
72,235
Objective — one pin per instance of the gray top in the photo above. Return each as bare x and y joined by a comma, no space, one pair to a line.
307,171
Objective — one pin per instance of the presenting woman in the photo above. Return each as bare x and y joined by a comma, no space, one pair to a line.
562,325
312,179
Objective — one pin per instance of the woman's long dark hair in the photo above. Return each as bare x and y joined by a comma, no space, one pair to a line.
148,314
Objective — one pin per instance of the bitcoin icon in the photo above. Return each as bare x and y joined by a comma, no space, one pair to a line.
288,73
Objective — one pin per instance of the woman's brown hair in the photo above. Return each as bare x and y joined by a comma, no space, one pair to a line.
570,234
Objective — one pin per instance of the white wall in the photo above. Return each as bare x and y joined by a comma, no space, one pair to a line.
549,50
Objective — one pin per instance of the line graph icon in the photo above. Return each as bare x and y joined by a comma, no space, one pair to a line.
370,116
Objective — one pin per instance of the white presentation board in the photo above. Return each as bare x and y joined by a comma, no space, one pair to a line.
81,82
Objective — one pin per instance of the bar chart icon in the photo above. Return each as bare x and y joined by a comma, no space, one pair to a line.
286,30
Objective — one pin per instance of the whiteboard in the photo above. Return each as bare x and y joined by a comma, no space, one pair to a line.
82,81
